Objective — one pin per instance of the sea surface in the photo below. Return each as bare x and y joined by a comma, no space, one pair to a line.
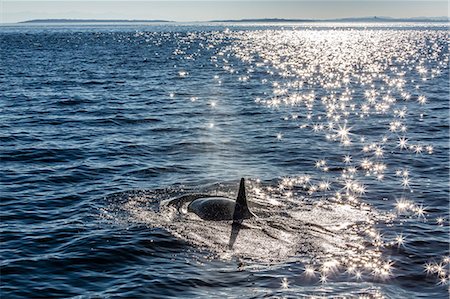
341,131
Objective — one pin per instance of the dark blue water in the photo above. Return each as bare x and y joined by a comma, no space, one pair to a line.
341,130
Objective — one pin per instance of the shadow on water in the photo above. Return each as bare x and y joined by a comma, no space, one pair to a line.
235,228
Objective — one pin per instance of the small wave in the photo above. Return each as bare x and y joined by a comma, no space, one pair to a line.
157,171
96,82
7,138
73,102
121,120
42,155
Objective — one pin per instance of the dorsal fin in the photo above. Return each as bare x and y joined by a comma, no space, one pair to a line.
242,198
241,210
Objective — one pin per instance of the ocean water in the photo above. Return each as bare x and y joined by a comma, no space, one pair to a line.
341,130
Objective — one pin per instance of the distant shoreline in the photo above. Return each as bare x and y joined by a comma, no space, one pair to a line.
365,19
51,21
265,20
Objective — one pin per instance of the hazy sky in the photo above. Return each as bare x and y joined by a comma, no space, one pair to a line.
19,10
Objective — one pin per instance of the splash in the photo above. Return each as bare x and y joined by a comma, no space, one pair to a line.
328,237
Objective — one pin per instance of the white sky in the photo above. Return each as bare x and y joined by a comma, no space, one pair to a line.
185,10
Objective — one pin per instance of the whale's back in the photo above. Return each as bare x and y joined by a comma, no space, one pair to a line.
213,208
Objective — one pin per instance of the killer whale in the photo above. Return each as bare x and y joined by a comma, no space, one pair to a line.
222,208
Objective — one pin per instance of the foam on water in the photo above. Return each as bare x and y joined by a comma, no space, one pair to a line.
323,234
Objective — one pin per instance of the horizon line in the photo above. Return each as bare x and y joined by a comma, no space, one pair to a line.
243,20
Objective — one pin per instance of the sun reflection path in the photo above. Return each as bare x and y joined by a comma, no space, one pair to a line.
317,75
339,84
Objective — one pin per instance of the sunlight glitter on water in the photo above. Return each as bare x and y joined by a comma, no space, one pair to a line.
314,75
337,84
